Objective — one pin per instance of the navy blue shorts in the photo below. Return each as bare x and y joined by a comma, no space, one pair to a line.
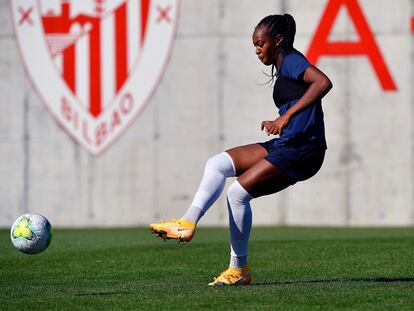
299,162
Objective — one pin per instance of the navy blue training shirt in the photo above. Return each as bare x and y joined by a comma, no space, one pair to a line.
307,126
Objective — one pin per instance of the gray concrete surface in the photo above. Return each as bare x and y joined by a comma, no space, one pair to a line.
210,100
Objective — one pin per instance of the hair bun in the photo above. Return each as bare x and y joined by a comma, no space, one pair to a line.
288,18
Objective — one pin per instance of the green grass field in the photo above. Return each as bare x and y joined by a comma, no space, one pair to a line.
293,269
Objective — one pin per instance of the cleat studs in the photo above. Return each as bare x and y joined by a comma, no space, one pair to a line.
163,235
181,241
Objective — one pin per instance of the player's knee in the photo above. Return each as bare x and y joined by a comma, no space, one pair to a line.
221,163
236,193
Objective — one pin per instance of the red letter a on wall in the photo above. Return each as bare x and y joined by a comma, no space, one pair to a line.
365,46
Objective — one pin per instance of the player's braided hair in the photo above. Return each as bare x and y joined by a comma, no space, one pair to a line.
280,25
284,25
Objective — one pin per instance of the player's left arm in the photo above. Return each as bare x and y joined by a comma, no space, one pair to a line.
319,86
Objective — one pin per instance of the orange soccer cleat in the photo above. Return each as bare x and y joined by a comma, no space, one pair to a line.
179,229
233,277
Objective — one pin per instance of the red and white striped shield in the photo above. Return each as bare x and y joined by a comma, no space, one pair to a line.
95,63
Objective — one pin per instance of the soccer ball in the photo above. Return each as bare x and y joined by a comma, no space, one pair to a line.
31,233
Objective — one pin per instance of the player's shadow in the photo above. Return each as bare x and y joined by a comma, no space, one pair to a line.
339,280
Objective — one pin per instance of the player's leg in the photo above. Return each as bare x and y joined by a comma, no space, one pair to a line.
244,157
262,178
230,163
217,169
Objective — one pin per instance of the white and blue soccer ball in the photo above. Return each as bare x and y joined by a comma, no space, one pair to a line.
31,233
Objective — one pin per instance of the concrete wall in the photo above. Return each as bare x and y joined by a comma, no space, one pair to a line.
209,100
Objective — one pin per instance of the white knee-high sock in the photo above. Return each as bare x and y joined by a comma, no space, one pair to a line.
217,169
240,220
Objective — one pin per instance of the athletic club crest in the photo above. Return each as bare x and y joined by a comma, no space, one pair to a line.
95,63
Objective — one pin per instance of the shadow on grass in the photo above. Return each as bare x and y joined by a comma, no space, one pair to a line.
378,280
329,281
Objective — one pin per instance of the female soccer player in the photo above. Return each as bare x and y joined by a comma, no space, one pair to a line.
268,167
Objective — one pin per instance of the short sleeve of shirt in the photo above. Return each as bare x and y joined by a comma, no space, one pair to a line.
294,65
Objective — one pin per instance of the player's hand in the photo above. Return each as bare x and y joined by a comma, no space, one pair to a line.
275,127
